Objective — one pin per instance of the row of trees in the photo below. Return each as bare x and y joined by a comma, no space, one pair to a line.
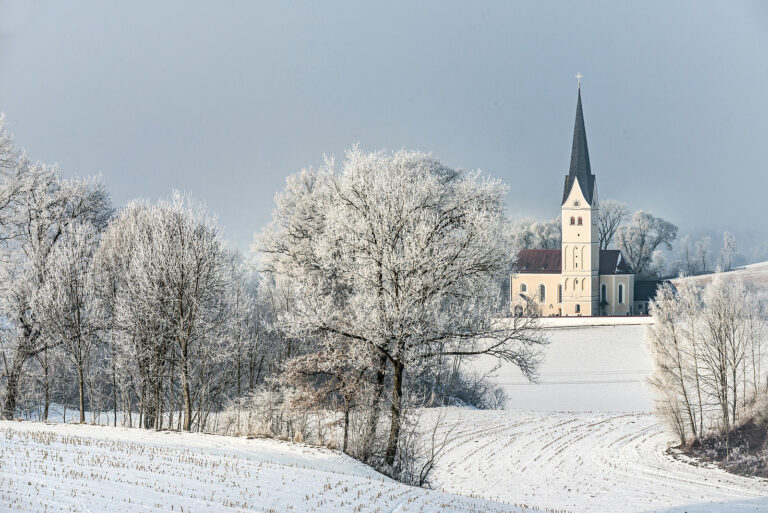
138,309
709,347
696,257
376,282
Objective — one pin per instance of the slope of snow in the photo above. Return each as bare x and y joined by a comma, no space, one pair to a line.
94,468
584,462
755,274
585,368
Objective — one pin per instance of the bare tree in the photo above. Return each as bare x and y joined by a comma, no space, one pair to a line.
708,345
668,347
612,214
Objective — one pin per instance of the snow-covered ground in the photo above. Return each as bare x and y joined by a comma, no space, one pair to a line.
581,440
585,368
584,462
506,460
64,467
755,274
575,322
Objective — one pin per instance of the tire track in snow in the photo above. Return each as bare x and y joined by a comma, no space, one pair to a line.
582,462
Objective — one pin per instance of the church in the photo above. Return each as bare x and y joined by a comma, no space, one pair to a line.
579,279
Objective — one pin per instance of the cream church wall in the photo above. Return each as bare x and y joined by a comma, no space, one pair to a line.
581,253
611,282
550,306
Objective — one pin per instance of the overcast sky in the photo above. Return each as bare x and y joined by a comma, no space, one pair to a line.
226,99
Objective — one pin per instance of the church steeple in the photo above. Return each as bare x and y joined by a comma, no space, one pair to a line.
580,169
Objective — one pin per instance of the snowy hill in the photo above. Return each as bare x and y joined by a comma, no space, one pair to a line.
756,274
94,469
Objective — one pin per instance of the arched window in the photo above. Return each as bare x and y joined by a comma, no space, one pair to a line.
523,288
580,223
559,293
573,221
603,294
621,293
578,308
542,293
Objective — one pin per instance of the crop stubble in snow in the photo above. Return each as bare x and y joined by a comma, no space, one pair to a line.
89,468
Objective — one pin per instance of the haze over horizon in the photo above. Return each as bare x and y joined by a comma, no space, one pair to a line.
226,101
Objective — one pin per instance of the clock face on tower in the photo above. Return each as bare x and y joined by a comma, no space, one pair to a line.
576,203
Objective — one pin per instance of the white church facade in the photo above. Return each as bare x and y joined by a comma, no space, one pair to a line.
579,279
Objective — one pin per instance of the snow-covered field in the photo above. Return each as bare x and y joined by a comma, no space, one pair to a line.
584,462
506,460
54,468
755,274
585,368
581,440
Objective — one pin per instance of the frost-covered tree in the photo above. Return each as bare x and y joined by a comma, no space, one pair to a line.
728,251
638,239
66,306
400,255
666,337
702,253
527,233
685,256
658,264
168,271
39,207
708,345
760,253
612,214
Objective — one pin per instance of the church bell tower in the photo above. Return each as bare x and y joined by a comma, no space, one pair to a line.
580,240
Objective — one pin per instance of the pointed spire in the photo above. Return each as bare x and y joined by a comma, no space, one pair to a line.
580,169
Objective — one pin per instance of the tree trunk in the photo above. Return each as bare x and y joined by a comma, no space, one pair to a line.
370,435
185,388
47,387
396,410
12,390
81,392
114,390
346,430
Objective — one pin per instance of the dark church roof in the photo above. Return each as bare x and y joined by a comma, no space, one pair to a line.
550,261
539,261
580,169
613,262
645,290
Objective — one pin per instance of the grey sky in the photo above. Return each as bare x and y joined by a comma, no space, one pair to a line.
225,99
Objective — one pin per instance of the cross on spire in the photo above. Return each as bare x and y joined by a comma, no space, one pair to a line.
578,78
